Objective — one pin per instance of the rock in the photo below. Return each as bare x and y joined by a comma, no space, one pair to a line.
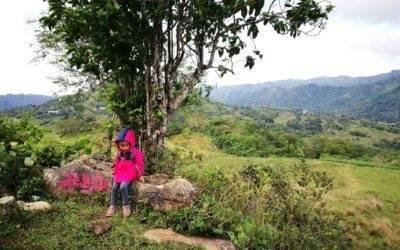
99,228
89,175
169,195
7,205
86,175
157,179
34,206
166,235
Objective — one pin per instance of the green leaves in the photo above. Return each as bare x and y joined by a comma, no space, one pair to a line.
249,62
28,162
114,44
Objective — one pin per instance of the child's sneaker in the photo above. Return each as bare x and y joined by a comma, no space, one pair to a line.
111,210
126,211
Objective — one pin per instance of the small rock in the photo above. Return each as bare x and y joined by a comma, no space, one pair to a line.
7,205
166,235
99,228
34,206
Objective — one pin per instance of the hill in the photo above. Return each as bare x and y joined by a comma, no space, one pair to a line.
376,97
80,104
225,151
11,101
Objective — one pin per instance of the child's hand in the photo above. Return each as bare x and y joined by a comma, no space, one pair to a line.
141,179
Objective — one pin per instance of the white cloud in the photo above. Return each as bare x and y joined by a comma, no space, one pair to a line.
361,38
345,47
368,11
18,74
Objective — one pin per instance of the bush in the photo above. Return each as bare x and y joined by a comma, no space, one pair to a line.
316,146
358,133
259,208
24,150
249,139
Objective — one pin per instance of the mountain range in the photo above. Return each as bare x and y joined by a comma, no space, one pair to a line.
374,97
12,101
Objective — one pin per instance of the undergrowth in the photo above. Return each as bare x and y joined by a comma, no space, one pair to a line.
259,208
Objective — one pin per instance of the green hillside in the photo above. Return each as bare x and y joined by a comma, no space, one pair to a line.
234,155
246,131
368,206
375,98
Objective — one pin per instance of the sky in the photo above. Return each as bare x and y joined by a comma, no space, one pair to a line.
362,38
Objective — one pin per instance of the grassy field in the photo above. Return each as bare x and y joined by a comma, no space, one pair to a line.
67,226
372,135
367,197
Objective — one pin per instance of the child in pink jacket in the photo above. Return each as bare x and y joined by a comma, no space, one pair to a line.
127,168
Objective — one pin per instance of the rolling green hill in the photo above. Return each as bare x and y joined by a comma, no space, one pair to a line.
376,98
210,145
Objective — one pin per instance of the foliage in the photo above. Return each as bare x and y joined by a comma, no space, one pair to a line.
375,97
147,57
74,126
24,151
316,146
245,131
260,208
169,161
358,133
249,139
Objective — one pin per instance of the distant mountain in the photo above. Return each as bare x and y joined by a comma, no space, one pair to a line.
375,97
12,101
80,104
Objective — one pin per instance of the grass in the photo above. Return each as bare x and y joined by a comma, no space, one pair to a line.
360,163
372,135
67,225
284,117
365,194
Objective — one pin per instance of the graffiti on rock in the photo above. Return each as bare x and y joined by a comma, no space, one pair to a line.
84,182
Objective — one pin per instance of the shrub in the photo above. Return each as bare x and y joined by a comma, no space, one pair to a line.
316,146
24,150
259,208
358,133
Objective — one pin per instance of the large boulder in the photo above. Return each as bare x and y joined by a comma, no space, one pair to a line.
164,194
89,175
86,175
7,205
166,235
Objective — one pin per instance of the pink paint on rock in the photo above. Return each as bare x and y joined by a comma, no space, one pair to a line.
100,183
71,181
84,183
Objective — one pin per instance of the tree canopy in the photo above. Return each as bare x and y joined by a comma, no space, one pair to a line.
147,56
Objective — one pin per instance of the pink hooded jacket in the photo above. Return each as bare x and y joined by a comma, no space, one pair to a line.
128,170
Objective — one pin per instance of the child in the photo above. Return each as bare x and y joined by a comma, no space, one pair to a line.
127,168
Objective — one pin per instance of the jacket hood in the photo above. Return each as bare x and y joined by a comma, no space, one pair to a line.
125,135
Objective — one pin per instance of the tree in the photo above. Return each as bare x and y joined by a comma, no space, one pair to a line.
147,56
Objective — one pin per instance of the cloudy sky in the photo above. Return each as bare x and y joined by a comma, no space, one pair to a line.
361,39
